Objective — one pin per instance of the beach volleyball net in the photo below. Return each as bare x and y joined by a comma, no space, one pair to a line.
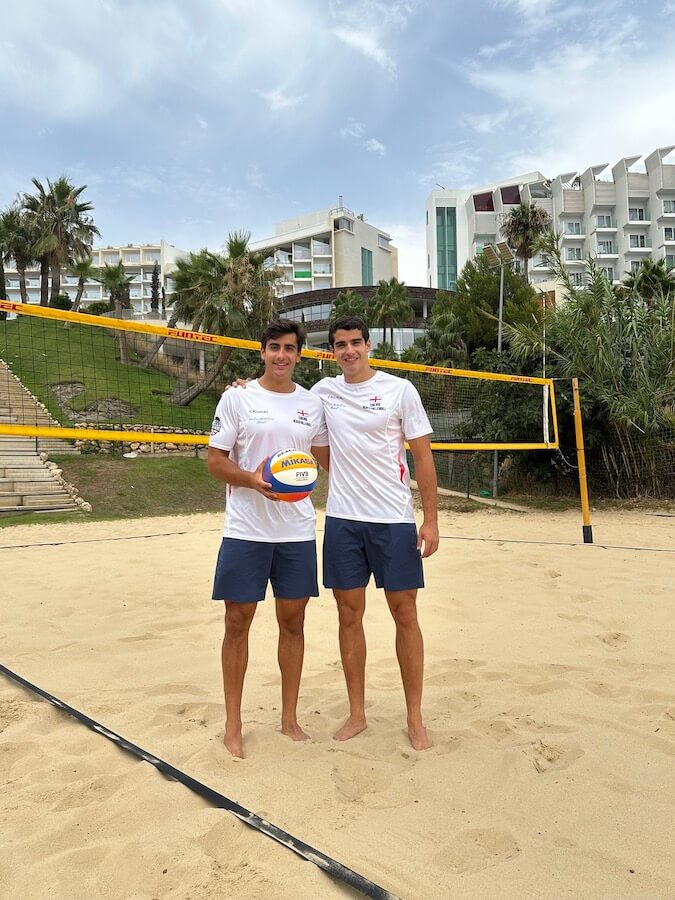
88,378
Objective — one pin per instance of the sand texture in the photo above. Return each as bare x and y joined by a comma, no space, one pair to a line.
549,693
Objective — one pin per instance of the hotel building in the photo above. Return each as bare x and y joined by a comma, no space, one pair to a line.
138,260
618,216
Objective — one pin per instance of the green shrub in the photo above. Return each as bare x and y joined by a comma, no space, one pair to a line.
97,308
61,301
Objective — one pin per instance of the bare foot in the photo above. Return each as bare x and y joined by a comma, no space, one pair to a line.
419,738
350,729
294,732
234,744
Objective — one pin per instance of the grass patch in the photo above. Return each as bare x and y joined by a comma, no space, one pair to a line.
43,354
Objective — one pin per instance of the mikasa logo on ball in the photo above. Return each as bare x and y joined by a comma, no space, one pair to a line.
294,461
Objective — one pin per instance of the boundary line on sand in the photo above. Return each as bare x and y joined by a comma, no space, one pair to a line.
331,866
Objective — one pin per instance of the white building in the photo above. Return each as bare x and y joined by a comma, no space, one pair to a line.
329,248
138,260
619,216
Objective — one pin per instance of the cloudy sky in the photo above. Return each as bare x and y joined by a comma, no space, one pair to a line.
190,120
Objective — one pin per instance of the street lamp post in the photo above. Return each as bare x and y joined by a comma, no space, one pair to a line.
498,255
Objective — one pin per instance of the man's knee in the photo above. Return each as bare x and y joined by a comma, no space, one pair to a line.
403,606
291,619
238,618
351,607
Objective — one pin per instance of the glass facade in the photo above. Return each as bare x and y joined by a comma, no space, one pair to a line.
446,247
366,266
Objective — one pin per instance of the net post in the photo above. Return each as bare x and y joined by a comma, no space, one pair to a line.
581,462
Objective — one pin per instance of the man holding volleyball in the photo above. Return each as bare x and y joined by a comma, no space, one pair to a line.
370,526
264,539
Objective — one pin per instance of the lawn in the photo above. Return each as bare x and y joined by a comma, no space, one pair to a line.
44,354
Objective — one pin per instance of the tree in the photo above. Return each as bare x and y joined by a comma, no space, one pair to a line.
390,306
475,305
623,349
115,280
17,240
64,230
522,227
84,271
228,294
652,277
154,288
350,303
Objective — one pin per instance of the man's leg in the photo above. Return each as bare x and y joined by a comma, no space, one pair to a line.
351,606
291,619
238,618
410,653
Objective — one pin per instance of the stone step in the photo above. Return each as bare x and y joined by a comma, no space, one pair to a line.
10,500
46,502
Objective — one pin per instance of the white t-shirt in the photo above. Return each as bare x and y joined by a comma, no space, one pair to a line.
253,423
368,424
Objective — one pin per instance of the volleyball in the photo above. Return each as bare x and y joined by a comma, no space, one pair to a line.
292,474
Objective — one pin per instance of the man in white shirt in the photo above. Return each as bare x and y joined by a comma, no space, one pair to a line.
264,539
370,526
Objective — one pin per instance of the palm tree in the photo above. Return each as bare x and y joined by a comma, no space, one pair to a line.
522,227
115,280
65,230
228,294
85,271
350,303
18,243
390,306
649,279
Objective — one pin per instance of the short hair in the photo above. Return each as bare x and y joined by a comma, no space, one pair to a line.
347,323
279,327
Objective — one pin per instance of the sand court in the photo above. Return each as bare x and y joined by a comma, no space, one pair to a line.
549,692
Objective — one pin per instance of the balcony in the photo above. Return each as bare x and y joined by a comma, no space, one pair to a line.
646,249
606,252
634,223
574,236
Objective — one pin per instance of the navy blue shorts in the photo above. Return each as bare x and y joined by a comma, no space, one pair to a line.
352,551
244,568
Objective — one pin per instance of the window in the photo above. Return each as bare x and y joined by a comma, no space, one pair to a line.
637,241
634,266
343,224
577,279
383,242
669,234
636,214
446,244
573,228
604,221
510,195
605,247
670,260
483,202
321,246
608,272
301,251
366,266
573,253
669,206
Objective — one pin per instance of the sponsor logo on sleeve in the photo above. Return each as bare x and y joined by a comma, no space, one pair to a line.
215,426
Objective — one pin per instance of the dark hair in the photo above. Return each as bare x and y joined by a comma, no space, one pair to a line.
347,323
283,326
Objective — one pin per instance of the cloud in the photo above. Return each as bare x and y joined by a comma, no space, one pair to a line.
277,100
454,165
356,131
490,50
578,103
485,123
366,42
353,130
203,124
374,146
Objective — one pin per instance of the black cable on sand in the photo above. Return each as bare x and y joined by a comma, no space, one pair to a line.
331,866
